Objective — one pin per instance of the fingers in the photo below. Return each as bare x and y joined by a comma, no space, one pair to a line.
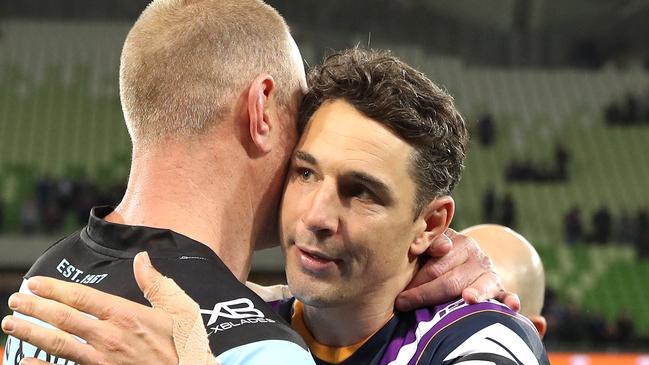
78,296
434,268
165,295
510,299
442,279
440,244
58,315
160,291
52,341
442,289
487,286
146,275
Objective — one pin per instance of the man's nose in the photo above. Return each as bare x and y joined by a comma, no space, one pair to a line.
321,216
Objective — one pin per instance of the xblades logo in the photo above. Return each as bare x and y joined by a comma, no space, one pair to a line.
233,309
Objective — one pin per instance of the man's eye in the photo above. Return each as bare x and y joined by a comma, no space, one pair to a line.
369,196
364,194
304,174
359,192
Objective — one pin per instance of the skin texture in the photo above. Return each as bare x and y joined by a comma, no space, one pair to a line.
331,208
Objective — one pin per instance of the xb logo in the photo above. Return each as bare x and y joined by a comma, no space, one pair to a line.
233,309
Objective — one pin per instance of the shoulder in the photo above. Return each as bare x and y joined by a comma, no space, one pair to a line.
487,331
235,318
46,264
238,321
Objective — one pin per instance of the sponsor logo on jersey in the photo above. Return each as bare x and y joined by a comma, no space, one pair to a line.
236,313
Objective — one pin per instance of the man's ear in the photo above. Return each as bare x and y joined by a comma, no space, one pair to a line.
437,216
258,101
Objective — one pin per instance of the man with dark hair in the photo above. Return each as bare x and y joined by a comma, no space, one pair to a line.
428,121
382,149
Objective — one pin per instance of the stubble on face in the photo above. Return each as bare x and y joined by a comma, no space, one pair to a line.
366,252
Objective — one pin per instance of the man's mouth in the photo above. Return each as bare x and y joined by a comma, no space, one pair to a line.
315,260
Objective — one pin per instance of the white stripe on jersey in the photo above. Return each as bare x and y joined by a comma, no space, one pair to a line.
408,351
482,342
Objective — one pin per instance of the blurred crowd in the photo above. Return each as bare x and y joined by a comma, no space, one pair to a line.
570,326
631,110
498,209
59,204
625,228
520,170
532,171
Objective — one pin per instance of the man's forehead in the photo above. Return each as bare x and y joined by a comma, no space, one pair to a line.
339,117
338,132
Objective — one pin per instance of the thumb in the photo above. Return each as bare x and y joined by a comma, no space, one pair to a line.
146,275
189,335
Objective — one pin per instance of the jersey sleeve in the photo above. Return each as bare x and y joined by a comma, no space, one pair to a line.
488,335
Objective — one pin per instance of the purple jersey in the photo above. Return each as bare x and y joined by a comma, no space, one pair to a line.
452,333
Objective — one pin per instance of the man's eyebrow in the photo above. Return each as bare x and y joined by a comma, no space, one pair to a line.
377,185
306,157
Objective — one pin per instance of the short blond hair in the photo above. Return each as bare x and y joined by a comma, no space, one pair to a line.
184,60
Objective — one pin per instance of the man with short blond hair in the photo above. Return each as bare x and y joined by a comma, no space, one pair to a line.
209,90
179,50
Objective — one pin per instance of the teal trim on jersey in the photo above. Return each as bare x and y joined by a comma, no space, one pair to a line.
265,353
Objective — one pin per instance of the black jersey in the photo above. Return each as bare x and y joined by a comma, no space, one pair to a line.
242,328
486,333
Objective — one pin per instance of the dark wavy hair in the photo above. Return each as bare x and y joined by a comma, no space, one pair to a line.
403,99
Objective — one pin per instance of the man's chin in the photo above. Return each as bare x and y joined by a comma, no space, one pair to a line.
316,298
315,301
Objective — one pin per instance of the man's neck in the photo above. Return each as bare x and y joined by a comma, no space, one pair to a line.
203,200
339,327
349,324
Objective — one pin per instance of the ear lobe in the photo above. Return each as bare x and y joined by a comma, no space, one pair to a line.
258,119
437,216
